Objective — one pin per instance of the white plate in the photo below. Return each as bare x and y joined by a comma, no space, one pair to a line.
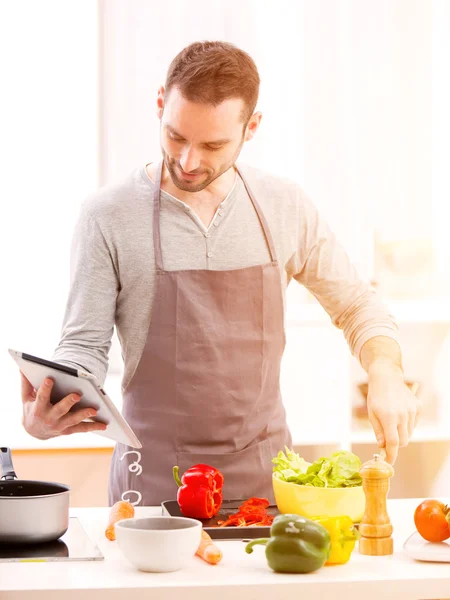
419,549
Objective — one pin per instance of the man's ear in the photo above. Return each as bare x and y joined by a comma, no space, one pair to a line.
160,102
252,126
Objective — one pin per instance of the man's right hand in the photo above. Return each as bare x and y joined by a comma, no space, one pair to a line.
43,420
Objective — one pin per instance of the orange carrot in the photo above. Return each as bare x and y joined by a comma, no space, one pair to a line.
208,550
120,510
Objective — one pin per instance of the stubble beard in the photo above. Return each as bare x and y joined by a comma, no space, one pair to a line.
172,165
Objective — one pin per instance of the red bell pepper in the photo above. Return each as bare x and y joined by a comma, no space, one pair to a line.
200,491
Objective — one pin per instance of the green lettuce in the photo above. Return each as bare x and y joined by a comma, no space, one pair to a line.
341,469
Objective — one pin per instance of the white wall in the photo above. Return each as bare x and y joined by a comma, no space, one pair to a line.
49,163
345,94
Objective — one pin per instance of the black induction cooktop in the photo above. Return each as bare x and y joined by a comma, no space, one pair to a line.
73,545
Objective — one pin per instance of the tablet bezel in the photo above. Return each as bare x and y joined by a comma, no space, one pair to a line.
69,380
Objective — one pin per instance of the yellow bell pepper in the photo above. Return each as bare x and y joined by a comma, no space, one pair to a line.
343,538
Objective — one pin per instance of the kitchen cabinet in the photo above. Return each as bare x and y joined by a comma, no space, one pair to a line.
84,470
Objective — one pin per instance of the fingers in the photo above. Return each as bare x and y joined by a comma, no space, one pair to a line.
403,433
390,435
27,390
393,413
44,393
412,422
75,418
84,428
378,430
387,438
62,407
392,442
414,416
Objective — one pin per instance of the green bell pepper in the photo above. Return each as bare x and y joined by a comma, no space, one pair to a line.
296,545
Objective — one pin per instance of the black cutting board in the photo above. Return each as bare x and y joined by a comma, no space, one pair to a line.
228,508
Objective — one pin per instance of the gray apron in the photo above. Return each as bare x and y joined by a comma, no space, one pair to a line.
207,387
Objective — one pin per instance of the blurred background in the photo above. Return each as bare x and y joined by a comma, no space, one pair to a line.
354,96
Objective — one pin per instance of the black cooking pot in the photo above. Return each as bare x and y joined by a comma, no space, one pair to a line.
30,511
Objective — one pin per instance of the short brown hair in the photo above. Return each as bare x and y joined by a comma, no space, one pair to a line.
211,72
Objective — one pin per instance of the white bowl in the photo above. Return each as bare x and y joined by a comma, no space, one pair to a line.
159,544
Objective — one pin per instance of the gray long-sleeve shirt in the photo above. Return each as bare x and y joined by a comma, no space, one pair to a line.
113,268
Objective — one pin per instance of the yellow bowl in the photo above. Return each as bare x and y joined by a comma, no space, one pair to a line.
309,501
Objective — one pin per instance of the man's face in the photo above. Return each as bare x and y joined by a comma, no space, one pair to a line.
199,142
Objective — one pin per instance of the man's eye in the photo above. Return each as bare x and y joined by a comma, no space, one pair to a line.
214,147
175,138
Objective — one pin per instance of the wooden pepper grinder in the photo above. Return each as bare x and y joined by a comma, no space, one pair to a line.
375,527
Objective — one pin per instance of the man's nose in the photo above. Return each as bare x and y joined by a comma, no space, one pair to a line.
190,160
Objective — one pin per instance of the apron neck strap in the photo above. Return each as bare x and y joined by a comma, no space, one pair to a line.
261,217
156,219
157,213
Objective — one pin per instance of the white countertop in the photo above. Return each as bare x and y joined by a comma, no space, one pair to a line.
239,575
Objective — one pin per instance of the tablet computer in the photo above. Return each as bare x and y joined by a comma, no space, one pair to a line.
68,380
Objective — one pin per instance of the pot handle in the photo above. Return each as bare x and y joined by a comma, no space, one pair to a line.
7,464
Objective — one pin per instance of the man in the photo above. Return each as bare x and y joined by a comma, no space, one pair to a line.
190,258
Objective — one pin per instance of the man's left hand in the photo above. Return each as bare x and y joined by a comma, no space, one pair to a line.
393,411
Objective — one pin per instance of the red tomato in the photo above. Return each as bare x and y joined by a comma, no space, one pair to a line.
432,520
